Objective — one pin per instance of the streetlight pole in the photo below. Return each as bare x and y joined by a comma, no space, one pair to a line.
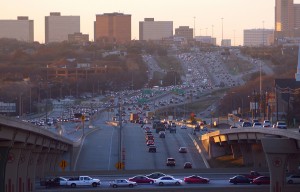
194,26
222,30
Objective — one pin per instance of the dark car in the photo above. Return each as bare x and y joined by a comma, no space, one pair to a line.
55,182
195,179
246,124
187,165
170,162
152,149
261,180
238,179
141,179
155,175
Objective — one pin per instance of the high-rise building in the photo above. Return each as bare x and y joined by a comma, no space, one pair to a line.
155,30
57,27
286,18
258,37
184,31
112,28
20,29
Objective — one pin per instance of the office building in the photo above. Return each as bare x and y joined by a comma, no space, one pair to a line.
113,28
20,29
226,42
155,30
184,31
57,27
78,38
258,37
206,39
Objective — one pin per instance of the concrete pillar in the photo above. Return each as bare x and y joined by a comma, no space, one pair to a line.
31,170
277,151
11,173
23,185
40,165
259,157
235,149
247,153
3,159
216,150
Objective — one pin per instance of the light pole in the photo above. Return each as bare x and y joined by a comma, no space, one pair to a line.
194,26
222,30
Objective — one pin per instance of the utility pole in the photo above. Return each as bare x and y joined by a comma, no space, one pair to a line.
222,30
194,26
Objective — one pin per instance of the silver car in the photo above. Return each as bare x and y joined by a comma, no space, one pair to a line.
122,183
167,180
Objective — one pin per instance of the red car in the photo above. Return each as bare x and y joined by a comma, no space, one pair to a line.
150,142
141,179
261,180
195,179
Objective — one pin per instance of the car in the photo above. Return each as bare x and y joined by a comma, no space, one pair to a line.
233,127
55,182
187,165
246,124
261,180
183,127
152,149
293,179
195,179
122,183
167,180
241,120
182,150
150,142
141,179
155,175
162,134
280,125
257,125
238,179
170,162
266,123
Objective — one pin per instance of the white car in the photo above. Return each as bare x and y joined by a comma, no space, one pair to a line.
167,180
183,127
257,125
267,123
293,179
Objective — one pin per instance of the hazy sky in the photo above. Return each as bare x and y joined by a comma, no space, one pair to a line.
237,14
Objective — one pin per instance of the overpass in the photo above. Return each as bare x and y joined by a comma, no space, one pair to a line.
276,149
27,152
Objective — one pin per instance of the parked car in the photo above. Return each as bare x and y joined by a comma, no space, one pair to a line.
280,125
246,124
141,179
187,165
261,180
238,179
170,162
293,179
195,179
167,180
122,183
267,123
155,175
182,150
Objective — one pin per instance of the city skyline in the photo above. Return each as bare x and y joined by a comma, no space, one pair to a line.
237,15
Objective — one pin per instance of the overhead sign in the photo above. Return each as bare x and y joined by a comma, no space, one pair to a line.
63,164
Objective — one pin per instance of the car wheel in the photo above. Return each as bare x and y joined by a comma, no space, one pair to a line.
290,182
94,184
115,186
161,183
177,183
151,182
130,185
73,185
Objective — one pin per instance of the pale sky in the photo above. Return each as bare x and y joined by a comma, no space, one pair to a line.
237,14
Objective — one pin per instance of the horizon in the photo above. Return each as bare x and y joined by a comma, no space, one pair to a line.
181,13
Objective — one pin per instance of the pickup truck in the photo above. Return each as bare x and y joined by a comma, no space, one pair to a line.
83,181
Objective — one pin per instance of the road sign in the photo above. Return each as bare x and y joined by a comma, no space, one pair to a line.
82,117
63,164
120,165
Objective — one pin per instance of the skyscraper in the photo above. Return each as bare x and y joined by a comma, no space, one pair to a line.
57,27
284,18
155,30
20,29
113,28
